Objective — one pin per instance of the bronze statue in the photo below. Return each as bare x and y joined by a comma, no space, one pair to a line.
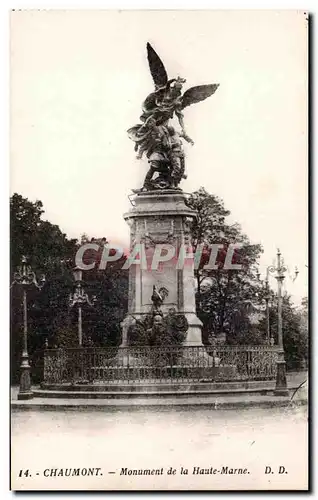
157,329
157,298
155,137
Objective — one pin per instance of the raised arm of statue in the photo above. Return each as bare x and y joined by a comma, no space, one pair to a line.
183,134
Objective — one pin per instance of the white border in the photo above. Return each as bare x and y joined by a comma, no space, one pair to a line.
5,7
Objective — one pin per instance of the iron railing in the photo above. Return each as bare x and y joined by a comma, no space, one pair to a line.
159,364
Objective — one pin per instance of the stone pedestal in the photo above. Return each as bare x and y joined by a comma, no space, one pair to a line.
162,218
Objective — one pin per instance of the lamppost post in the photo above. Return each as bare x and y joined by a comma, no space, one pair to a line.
79,298
269,340
281,382
280,278
267,297
80,326
25,278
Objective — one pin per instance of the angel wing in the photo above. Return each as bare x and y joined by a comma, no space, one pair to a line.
157,69
197,94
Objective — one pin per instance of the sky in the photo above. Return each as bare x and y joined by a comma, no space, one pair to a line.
78,79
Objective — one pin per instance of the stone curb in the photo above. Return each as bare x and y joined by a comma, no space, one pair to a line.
72,393
102,405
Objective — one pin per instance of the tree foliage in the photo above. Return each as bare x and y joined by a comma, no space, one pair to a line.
295,330
50,252
222,294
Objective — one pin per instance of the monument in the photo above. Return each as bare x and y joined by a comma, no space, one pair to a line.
161,333
160,220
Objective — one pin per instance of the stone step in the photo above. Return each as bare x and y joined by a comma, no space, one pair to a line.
162,387
42,393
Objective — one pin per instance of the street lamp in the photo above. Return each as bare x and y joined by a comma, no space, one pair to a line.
78,274
79,298
281,382
25,277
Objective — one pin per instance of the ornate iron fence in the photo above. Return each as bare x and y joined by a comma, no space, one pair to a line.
159,364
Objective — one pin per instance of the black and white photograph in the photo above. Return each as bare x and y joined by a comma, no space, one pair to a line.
159,250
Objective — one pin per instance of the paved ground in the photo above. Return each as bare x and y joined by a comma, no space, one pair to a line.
117,439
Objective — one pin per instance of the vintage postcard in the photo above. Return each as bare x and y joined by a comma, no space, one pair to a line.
159,250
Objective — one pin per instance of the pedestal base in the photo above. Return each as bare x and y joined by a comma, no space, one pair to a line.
125,360
194,333
25,391
25,395
225,372
281,382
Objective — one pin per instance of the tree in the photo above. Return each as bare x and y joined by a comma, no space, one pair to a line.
110,288
50,252
222,294
42,242
295,330
304,334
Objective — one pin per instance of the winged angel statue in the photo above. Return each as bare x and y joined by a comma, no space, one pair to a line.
155,137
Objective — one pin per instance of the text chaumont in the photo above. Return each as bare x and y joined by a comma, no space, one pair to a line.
84,471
